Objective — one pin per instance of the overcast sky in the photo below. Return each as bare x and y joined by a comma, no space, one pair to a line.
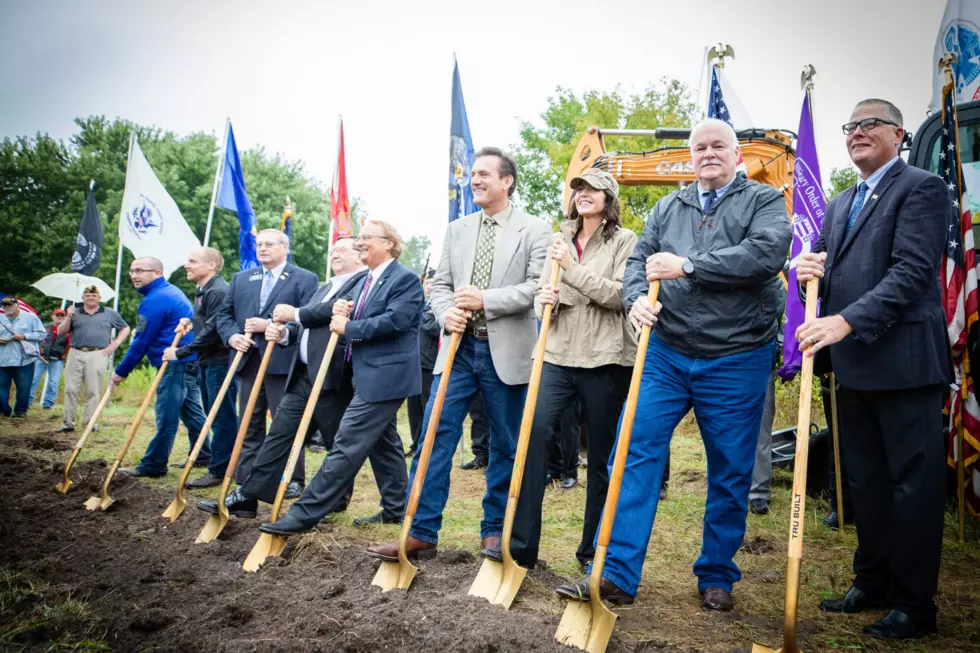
284,70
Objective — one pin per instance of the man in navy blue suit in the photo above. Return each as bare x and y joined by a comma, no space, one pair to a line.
248,309
884,334
381,327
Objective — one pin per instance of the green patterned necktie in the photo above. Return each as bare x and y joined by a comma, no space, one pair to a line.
483,264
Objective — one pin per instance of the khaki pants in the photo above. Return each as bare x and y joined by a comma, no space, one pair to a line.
88,367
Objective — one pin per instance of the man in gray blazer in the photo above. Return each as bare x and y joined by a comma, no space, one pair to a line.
484,289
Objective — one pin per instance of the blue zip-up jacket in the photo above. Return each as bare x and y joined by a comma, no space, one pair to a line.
159,313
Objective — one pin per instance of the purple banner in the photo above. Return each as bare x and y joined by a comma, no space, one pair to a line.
808,212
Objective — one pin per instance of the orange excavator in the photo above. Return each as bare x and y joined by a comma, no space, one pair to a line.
768,156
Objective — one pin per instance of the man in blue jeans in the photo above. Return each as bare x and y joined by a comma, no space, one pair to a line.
203,268
179,392
484,289
717,247
21,333
51,359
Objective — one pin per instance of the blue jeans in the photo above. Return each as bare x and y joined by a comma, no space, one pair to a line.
53,368
473,372
727,395
21,377
178,400
225,425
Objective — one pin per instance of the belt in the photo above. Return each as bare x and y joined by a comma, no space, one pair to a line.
477,331
87,348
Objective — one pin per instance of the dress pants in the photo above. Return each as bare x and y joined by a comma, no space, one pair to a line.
270,461
90,367
602,391
367,431
563,445
896,465
269,399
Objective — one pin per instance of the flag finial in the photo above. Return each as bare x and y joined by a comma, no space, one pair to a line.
806,78
946,65
719,52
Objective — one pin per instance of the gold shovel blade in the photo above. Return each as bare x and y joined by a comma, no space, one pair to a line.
394,575
64,485
760,648
175,509
587,626
106,502
498,582
212,528
258,554
93,503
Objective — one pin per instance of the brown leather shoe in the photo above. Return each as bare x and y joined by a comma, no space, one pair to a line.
608,591
715,598
492,542
414,548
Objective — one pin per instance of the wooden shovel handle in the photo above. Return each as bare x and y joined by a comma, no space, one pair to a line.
430,433
95,416
246,415
146,401
531,401
626,430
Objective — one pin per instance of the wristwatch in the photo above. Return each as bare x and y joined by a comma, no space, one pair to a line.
688,267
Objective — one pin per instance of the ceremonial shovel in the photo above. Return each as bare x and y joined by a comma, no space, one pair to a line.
105,500
272,545
177,506
66,483
391,575
798,507
216,523
498,582
589,625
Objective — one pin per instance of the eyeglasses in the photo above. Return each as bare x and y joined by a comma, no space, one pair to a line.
866,125
363,238
139,270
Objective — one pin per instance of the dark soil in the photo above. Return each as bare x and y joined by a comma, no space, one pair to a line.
149,586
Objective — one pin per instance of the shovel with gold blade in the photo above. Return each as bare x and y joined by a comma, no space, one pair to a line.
392,575
798,507
216,523
104,501
66,482
269,545
177,506
589,626
498,582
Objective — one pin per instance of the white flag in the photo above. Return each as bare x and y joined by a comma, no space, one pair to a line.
959,33
151,223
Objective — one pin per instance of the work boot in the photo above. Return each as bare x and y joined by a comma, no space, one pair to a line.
490,548
476,463
716,598
608,591
414,548
237,504
759,506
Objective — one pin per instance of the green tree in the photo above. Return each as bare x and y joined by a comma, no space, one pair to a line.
840,180
416,252
544,152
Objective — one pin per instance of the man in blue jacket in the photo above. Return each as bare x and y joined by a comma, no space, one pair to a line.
179,392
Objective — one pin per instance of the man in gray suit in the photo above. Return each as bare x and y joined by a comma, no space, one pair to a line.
484,289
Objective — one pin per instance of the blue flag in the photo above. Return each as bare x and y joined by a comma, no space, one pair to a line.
234,198
460,155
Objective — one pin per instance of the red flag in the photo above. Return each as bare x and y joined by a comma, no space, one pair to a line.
339,202
960,301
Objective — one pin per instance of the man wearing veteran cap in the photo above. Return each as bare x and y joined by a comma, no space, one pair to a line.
717,247
589,354
88,359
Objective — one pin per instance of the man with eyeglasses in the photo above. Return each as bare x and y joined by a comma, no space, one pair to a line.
179,392
247,309
884,334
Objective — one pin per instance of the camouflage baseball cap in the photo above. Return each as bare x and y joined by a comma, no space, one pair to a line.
598,179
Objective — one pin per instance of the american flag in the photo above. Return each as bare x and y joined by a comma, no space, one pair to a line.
960,293
718,109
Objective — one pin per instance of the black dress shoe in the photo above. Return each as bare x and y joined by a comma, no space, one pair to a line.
208,480
759,506
476,463
237,504
19,416
569,482
379,518
197,464
66,429
494,554
608,591
136,472
853,602
898,625
285,527
717,599
294,490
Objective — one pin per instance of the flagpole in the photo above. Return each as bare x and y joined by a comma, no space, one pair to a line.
217,180
122,209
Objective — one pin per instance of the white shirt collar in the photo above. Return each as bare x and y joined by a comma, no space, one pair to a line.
378,271
277,271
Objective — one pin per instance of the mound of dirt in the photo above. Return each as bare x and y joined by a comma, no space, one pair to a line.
149,586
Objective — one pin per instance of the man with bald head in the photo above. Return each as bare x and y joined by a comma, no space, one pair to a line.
203,269
716,247
178,395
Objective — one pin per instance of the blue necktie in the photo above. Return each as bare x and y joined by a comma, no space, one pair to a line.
709,201
267,282
856,207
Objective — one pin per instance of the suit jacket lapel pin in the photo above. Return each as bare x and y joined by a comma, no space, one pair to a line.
255,276
283,276
874,197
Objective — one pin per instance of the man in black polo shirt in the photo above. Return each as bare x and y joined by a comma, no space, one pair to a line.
91,346
203,268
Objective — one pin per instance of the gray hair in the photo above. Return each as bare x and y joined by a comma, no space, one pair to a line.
713,122
890,110
283,238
